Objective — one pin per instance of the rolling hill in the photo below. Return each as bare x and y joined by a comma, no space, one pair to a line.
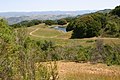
16,17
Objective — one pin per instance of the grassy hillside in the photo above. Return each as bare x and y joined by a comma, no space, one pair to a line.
41,52
29,52
42,32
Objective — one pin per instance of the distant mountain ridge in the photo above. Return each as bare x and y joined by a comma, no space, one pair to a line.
18,14
16,17
104,11
13,20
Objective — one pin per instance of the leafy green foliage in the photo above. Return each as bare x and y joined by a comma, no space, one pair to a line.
71,26
19,56
47,45
116,11
6,50
112,27
69,19
105,53
27,23
62,22
113,55
96,24
83,54
50,22
87,25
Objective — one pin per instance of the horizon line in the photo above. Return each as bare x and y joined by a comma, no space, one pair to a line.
50,10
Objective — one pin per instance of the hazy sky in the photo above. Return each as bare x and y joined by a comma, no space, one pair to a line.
52,5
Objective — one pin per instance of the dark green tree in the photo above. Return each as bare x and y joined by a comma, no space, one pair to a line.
50,22
116,11
62,22
86,26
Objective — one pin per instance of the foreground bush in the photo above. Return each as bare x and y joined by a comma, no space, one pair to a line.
20,57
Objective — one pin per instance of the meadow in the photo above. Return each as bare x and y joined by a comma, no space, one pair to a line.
72,70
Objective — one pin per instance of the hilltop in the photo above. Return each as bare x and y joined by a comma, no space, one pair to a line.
16,17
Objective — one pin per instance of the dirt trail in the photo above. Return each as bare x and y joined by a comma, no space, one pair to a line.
31,33
94,38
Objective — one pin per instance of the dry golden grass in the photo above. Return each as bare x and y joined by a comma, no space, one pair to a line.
30,29
87,71
79,71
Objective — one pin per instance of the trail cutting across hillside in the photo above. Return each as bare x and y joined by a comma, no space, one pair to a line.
56,37
31,33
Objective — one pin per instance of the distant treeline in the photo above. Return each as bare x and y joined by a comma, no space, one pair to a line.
29,23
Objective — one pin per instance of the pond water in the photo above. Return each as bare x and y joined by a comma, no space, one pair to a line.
60,28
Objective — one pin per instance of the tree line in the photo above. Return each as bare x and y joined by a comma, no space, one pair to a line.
96,24
29,23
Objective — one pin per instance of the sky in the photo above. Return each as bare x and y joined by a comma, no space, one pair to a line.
56,5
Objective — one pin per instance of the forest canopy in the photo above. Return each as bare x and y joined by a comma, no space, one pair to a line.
96,24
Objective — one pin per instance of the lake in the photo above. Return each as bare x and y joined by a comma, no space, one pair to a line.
60,28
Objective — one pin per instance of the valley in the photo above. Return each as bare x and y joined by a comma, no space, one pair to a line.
59,40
